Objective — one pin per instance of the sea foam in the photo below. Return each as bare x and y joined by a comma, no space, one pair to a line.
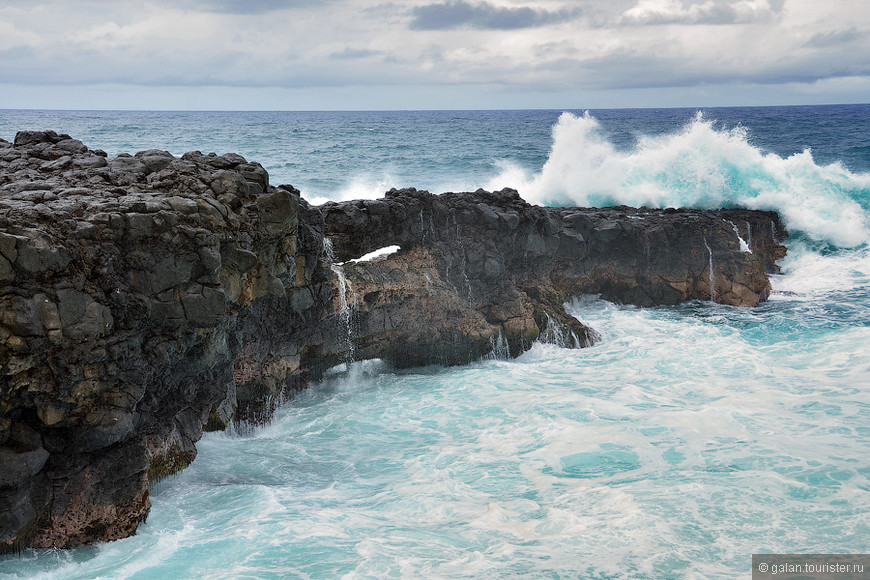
698,166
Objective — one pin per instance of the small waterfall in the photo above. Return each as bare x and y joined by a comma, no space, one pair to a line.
463,264
744,247
555,334
465,277
576,340
344,313
710,265
749,233
500,348
328,250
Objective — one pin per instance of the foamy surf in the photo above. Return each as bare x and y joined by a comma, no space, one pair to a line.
685,440
810,274
697,166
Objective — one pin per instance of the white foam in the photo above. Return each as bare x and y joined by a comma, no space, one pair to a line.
698,166
744,247
361,187
809,274
376,254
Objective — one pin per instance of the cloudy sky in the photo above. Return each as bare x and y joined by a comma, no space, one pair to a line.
431,54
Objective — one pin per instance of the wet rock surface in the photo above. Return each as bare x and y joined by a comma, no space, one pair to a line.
146,298
486,268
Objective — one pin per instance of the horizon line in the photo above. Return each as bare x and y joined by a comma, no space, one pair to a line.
471,110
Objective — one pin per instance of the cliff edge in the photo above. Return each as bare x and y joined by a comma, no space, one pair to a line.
146,298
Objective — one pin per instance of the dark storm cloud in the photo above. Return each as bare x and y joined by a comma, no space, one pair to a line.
460,14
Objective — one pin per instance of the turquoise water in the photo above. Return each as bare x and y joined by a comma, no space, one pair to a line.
687,439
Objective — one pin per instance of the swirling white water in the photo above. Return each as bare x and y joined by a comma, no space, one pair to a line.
687,439
698,166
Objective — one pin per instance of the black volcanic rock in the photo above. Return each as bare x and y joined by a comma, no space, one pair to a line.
475,268
145,298
139,303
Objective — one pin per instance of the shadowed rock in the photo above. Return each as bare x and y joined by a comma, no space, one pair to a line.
139,303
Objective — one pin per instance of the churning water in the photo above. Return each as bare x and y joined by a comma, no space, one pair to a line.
687,439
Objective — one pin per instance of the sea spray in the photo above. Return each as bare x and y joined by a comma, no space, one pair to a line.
364,186
682,441
807,274
698,166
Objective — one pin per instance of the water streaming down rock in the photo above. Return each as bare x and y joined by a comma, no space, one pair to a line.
345,313
712,281
500,347
555,334
744,247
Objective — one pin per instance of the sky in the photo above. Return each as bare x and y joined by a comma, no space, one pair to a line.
431,54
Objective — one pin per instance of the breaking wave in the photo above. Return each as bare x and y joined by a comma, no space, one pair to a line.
699,166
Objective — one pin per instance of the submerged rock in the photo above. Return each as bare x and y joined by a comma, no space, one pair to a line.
146,298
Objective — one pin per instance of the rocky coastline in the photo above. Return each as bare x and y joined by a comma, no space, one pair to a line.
147,298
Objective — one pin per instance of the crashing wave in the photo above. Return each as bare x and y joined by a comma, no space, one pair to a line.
699,166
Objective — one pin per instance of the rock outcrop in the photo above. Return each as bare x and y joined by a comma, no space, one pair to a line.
481,269
146,298
142,299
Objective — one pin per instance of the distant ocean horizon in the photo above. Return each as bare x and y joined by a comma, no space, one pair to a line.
686,440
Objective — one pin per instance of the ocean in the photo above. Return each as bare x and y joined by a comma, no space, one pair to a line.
687,439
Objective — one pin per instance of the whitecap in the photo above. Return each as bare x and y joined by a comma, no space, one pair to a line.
698,166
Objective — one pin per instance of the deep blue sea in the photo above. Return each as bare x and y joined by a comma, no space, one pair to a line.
686,440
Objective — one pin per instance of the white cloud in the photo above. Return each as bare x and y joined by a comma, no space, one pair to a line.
512,46
708,12
159,29
13,37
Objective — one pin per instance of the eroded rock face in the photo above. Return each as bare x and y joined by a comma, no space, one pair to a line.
479,268
146,298
139,303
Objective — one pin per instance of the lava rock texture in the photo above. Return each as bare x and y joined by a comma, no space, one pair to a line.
147,298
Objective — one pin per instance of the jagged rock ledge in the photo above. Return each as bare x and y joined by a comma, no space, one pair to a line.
146,298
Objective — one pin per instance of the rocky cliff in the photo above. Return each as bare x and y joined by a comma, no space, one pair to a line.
483,270
146,298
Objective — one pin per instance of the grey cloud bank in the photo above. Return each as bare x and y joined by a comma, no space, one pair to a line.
368,54
484,16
